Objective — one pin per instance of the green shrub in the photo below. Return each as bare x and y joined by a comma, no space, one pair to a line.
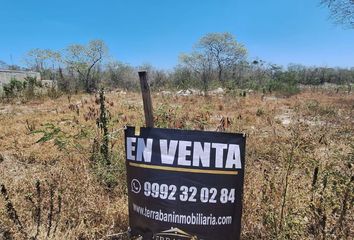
31,83
13,88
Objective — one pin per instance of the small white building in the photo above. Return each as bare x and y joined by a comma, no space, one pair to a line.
7,75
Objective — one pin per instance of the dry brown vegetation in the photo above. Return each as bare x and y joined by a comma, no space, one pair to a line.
299,165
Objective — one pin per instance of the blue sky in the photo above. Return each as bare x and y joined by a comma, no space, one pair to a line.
157,31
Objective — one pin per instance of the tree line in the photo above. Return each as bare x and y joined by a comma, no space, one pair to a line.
217,60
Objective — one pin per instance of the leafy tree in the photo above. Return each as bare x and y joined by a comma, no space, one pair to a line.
223,49
84,60
341,11
43,61
215,54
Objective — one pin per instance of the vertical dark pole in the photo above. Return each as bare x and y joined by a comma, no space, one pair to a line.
145,91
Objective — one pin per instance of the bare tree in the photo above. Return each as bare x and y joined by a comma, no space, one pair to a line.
83,59
341,11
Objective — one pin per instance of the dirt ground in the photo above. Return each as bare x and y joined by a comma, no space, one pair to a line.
299,163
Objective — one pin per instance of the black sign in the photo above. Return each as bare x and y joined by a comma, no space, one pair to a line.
185,184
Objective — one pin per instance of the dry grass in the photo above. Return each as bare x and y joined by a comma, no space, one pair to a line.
299,176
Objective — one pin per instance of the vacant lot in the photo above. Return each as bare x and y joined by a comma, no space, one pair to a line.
299,163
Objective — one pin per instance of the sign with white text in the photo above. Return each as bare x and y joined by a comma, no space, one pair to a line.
185,184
